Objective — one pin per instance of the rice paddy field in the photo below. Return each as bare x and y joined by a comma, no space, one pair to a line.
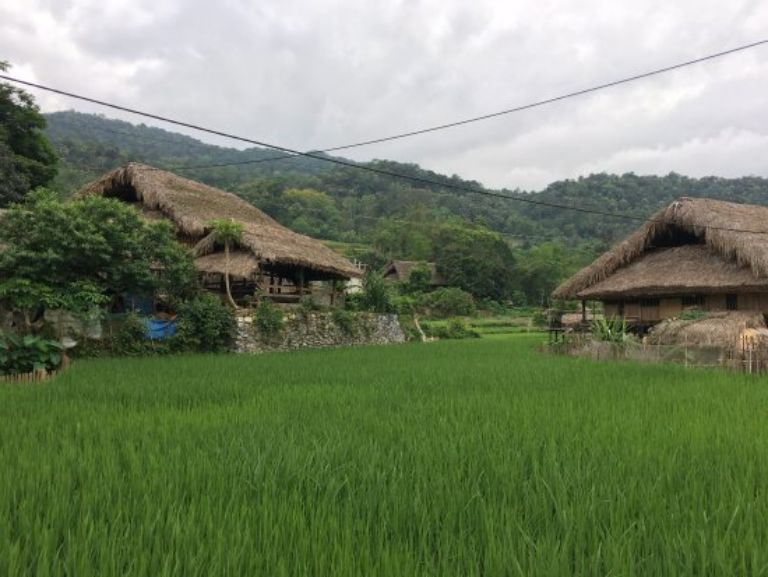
481,457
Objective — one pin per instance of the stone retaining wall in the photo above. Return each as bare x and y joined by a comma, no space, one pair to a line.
318,330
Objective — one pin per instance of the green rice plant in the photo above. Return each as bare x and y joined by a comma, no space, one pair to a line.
475,457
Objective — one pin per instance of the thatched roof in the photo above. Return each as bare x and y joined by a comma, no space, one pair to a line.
716,329
683,269
732,248
241,264
191,206
400,270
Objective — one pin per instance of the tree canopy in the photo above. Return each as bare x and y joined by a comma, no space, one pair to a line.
75,254
27,159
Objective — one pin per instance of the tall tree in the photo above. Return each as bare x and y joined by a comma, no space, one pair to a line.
228,233
27,159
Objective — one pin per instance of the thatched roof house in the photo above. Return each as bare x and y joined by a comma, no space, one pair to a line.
267,246
400,271
695,252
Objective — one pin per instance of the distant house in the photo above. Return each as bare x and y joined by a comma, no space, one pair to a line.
271,260
400,271
695,253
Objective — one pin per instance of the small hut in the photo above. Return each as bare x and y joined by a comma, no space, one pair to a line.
695,253
400,271
271,259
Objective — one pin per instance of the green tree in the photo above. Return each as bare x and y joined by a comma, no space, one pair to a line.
227,232
475,260
312,212
377,296
27,159
419,279
73,255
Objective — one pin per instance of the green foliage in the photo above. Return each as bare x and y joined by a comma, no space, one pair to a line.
24,354
455,329
418,280
613,330
407,220
308,305
449,301
269,319
27,159
475,260
692,314
483,456
226,231
205,324
406,304
377,295
540,318
72,255
131,339
346,320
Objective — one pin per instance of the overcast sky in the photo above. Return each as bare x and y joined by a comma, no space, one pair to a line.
312,74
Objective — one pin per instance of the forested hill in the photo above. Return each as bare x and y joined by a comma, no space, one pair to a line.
349,205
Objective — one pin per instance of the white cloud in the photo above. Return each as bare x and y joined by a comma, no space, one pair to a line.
313,74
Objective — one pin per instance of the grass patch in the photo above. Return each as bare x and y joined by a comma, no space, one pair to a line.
474,457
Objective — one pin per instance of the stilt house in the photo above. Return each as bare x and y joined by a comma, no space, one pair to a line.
695,253
271,260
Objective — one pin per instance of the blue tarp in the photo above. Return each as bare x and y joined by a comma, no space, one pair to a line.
159,329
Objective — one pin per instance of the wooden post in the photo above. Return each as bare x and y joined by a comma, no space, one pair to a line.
301,283
584,311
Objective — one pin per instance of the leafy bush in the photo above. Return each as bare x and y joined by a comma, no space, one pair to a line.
345,320
28,353
450,302
492,306
377,296
269,319
455,329
613,330
131,338
405,304
205,324
418,279
408,324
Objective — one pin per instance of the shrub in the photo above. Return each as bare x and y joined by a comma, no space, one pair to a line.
205,324
377,296
404,304
131,339
418,280
28,353
612,330
455,329
408,324
269,319
449,302
345,320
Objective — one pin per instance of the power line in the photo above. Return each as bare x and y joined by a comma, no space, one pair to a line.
363,167
515,109
529,106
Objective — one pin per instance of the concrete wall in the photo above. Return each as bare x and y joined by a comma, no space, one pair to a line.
319,330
